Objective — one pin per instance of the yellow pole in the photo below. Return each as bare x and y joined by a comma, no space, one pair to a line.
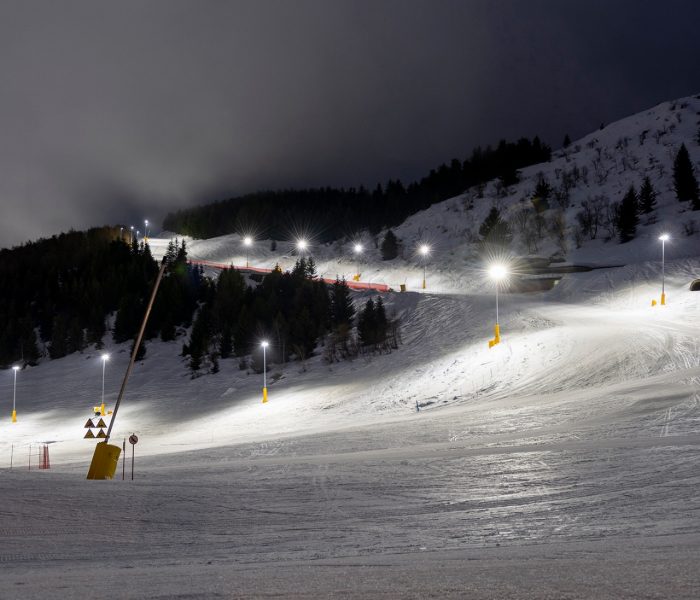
264,375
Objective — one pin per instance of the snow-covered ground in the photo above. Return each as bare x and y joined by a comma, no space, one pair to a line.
563,463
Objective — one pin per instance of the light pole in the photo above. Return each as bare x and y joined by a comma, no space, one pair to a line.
105,358
132,234
424,251
664,237
14,395
247,242
264,345
497,273
145,231
357,249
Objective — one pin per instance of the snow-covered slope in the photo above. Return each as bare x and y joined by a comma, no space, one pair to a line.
580,335
567,453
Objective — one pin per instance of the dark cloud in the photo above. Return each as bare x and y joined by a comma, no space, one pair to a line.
114,111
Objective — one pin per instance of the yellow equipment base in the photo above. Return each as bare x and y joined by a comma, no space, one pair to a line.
104,461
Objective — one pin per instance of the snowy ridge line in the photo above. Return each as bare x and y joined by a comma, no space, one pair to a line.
355,285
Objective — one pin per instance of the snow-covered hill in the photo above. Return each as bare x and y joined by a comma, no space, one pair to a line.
602,165
579,434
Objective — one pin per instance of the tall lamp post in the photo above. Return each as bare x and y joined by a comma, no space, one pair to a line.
424,251
497,273
14,395
145,230
131,228
357,249
247,242
264,345
105,358
663,238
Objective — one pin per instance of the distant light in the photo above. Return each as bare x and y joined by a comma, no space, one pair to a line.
302,244
146,222
132,228
664,237
247,241
424,249
15,368
105,357
264,344
357,248
498,272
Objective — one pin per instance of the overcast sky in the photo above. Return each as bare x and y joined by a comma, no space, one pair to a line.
118,111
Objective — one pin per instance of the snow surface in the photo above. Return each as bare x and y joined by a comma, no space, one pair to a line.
563,463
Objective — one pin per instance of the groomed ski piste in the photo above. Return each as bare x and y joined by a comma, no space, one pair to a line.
561,463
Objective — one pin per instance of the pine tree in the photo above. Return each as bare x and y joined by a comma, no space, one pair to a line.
647,197
390,246
540,198
567,141
59,335
342,309
628,219
310,271
684,179
381,322
367,325
494,230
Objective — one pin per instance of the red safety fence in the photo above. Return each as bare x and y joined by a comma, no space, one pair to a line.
355,285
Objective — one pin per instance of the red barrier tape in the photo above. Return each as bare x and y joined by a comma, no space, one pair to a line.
354,285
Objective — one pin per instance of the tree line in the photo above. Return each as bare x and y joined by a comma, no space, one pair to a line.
340,212
294,311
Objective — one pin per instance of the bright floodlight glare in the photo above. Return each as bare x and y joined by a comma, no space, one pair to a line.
105,357
247,241
146,222
301,244
358,248
424,249
498,272
264,344
664,237
15,368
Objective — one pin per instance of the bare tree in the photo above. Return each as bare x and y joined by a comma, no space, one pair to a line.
557,229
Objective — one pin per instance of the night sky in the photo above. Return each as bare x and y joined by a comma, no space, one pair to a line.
119,111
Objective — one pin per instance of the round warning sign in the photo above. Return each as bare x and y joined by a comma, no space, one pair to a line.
133,438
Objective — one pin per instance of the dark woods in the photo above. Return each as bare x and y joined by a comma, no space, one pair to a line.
60,295
293,311
56,293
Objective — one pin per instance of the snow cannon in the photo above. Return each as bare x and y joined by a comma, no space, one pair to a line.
663,299
653,303
106,456
104,461
264,395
